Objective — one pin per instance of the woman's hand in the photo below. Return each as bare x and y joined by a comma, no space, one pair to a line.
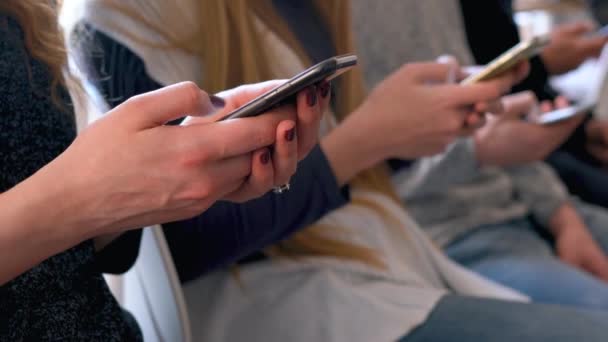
411,114
572,44
130,170
575,245
294,138
508,139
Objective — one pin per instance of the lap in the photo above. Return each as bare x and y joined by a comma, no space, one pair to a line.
515,255
457,318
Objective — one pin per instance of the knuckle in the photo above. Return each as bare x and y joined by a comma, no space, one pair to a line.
192,93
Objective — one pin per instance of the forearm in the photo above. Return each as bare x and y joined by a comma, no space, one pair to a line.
350,151
565,217
36,222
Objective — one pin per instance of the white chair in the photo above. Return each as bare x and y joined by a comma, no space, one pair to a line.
153,294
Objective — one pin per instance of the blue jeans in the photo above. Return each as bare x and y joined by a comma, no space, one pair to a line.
517,255
465,319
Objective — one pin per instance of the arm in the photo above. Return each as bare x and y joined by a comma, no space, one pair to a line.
540,189
429,175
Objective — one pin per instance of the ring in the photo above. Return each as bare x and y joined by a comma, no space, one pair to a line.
281,189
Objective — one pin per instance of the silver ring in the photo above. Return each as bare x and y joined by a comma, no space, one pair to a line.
281,189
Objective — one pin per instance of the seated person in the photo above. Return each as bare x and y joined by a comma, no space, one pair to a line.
365,271
580,161
485,200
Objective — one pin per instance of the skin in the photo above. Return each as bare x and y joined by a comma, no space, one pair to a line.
509,140
572,44
129,170
412,113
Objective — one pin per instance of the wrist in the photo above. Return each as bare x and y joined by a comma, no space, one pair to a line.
564,220
350,150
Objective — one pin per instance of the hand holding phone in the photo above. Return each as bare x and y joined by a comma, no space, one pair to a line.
509,59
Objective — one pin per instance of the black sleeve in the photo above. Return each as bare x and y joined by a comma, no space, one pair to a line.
491,31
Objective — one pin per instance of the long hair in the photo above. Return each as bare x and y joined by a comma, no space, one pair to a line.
232,53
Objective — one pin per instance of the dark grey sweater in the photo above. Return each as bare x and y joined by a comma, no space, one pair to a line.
65,298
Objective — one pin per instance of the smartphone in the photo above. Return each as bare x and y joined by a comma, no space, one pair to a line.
562,114
324,71
503,63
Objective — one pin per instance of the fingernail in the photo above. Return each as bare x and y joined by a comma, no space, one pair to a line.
217,101
291,134
265,158
325,87
311,96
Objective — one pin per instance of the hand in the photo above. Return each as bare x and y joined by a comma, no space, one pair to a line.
570,46
508,139
574,244
294,139
597,140
412,113
130,170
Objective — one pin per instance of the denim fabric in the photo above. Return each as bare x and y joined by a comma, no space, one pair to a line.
463,319
517,255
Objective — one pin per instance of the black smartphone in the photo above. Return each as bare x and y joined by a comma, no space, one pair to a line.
324,71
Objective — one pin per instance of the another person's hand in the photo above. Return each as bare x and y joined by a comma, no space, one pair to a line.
508,139
572,44
597,140
412,113
294,139
575,245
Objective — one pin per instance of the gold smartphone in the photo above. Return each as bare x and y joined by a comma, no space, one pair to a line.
503,63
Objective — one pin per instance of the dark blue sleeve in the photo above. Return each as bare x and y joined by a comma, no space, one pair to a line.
226,232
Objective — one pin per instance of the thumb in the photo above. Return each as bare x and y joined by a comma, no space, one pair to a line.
577,29
519,104
158,107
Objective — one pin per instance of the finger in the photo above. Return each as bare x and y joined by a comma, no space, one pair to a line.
308,119
285,156
546,106
519,104
475,120
228,170
494,107
232,137
161,106
427,72
592,47
454,72
577,28
479,92
259,182
561,102
597,265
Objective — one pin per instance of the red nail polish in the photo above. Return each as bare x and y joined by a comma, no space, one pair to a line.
265,158
311,96
325,87
290,135
217,101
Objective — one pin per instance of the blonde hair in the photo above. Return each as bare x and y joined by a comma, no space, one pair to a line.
44,41
232,53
